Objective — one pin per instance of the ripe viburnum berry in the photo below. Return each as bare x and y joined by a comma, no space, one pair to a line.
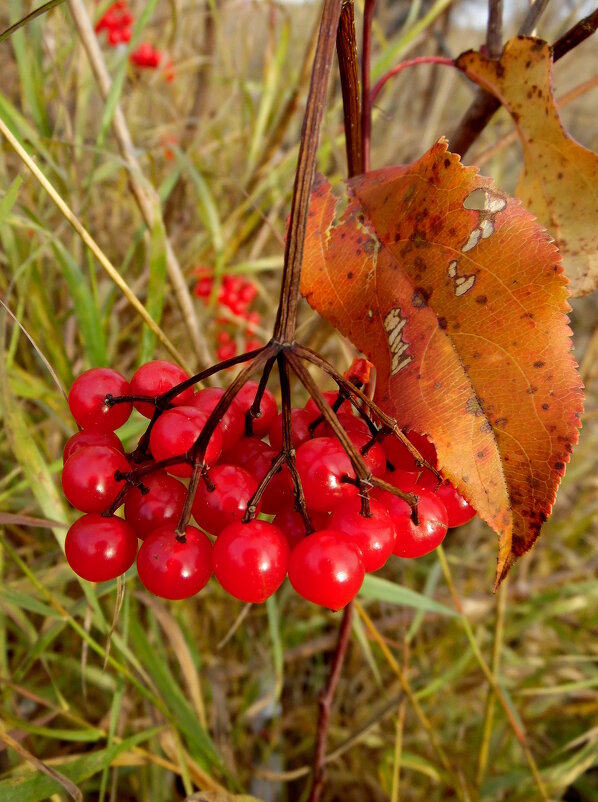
91,437
251,560
227,502
291,523
322,464
400,456
326,568
268,407
300,420
88,477
161,505
232,423
176,431
98,548
172,567
87,399
458,510
374,537
415,541
157,377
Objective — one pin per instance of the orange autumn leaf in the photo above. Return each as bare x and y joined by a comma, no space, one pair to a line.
559,182
457,296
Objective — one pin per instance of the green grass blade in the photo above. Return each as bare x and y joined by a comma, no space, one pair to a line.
86,309
382,590
156,287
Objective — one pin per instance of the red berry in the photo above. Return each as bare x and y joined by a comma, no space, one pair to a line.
412,540
458,510
173,568
91,437
87,396
176,431
155,378
322,464
227,502
412,481
98,549
374,537
325,568
292,525
88,477
250,560
232,423
399,455
375,458
268,407
300,420
114,37
349,422
331,396
258,462
162,505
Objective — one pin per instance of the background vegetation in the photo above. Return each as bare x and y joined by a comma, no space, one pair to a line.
209,694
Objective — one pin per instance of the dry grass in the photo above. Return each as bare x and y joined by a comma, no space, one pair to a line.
180,706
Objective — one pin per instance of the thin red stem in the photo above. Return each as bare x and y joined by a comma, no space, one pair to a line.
413,62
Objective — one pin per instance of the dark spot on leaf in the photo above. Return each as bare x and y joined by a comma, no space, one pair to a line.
349,275
447,163
531,390
500,422
539,364
481,299
486,427
442,324
545,406
559,466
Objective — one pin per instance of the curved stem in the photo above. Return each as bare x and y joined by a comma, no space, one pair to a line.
325,701
413,62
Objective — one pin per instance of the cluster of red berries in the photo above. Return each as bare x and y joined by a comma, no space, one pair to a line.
236,293
117,22
325,549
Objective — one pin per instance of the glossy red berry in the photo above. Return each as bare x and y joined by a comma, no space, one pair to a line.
400,456
232,423
412,540
300,420
350,423
322,464
325,568
227,502
91,437
251,560
98,549
374,537
162,505
458,510
331,396
175,568
155,378
257,459
176,431
87,397
88,477
374,457
292,525
268,407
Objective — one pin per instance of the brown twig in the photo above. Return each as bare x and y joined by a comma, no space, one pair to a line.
325,702
346,49
286,319
494,30
366,106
